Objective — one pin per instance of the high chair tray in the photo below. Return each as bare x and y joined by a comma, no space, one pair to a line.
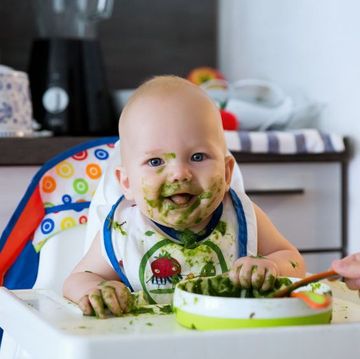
48,326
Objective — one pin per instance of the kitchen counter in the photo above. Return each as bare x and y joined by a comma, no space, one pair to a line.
56,328
36,151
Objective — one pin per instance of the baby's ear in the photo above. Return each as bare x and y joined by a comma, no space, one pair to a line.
124,182
229,167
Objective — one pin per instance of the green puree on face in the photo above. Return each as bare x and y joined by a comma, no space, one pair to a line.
222,286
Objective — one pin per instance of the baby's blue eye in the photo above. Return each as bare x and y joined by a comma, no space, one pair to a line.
155,162
198,157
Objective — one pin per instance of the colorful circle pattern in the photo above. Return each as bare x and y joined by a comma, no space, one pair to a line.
83,220
101,154
66,199
47,226
80,186
67,223
80,156
65,169
93,170
48,184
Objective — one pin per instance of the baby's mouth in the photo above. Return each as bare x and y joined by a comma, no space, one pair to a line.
181,199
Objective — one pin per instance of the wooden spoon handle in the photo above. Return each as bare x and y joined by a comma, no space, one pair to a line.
302,282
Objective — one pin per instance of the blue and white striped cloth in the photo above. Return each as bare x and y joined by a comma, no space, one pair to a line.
284,142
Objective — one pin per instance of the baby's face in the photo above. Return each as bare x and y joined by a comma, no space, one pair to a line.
174,161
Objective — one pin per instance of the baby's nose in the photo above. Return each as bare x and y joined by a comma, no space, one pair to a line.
180,173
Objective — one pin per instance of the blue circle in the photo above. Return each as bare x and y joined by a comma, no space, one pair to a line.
66,198
101,154
47,226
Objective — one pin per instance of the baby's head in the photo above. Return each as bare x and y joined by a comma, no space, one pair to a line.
174,159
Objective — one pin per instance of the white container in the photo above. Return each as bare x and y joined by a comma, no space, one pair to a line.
15,103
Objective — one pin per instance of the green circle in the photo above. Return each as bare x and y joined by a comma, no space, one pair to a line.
80,186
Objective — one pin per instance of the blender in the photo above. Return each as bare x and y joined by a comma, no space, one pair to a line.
67,78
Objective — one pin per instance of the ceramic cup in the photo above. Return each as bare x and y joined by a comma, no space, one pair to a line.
15,103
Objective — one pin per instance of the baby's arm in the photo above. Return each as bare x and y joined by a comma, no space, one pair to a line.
94,285
276,256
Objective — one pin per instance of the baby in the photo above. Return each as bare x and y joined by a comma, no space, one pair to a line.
178,217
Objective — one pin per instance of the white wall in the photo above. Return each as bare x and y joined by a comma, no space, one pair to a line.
312,45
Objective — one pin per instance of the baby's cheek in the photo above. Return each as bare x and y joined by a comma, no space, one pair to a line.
150,188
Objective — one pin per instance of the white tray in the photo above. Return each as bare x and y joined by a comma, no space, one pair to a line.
48,326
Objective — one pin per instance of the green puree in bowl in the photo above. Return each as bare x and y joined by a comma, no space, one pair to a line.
221,286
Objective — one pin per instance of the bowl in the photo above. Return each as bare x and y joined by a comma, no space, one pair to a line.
206,312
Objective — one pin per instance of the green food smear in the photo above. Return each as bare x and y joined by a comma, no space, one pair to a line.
188,238
221,227
168,189
184,216
169,156
315,286
222,286
152,309
205,195
258,257
118,227
140,305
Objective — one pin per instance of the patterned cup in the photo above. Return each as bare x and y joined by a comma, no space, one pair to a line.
15,103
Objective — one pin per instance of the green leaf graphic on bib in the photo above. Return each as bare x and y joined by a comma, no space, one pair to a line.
208,270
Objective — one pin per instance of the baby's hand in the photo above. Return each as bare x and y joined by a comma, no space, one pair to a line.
254,272
112,294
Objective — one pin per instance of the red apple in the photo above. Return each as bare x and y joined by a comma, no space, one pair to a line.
229,120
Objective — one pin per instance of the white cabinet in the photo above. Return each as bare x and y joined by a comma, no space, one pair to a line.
304,201
13,184
318,262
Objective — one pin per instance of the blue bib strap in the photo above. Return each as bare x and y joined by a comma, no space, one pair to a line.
109,245
240,215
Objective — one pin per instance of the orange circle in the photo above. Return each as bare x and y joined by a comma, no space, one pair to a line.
93,170
48,184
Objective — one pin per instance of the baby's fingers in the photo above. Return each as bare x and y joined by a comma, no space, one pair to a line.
245,276
234,275
85,305
257,277
97,303
269,280
110,299
123,296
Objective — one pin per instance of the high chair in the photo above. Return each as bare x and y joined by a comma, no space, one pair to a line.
46,235
49,231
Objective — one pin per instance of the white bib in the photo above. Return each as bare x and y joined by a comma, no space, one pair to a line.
147,259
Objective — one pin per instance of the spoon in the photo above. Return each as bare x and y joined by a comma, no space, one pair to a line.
284,292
